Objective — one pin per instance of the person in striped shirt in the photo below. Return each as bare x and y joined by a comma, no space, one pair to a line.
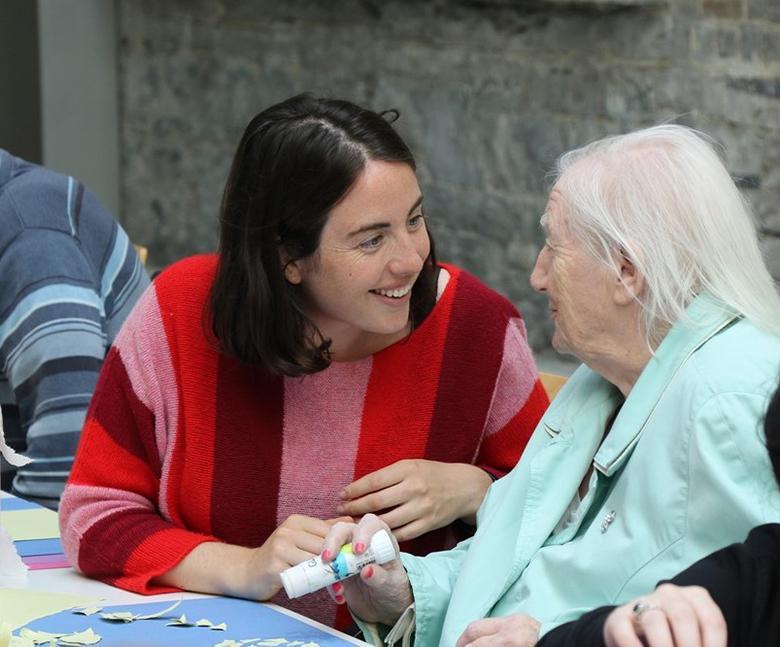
323,364
69,279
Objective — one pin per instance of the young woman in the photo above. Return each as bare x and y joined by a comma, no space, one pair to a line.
323,364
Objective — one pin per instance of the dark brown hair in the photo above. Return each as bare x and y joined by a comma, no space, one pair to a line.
296,160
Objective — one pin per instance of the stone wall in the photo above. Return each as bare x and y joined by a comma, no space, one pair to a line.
490,92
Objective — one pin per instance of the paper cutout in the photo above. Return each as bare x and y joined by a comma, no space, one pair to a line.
19,607
249,624
204,622
87,637
17,460
39,523
182,621
87,611
127,616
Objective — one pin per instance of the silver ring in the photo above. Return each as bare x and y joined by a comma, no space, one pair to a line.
641,606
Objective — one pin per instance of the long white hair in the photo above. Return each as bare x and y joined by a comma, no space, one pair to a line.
663,198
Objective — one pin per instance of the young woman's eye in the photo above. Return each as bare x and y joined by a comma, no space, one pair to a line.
415,222
371,243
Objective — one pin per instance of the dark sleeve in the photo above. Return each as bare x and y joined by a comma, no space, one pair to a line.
588,631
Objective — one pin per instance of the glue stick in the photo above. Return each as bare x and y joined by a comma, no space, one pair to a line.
312,575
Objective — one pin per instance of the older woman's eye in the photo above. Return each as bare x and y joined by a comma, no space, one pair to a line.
371,243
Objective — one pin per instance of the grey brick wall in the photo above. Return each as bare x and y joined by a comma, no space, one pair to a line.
490,93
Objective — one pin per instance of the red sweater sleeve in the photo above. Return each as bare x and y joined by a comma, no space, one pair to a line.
111,522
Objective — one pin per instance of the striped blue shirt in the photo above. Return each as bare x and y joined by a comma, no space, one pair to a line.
69,279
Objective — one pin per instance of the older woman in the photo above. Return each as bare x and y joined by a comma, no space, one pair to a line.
322,364
651,456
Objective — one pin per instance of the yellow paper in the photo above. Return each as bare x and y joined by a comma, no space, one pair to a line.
21,606
39,523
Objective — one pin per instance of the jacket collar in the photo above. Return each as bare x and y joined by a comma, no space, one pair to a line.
704,318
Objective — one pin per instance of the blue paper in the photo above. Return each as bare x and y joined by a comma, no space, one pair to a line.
36,547
244,620
8,504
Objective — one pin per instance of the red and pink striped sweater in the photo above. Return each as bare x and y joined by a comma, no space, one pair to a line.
183,444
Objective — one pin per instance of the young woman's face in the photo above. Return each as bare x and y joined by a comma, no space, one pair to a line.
358,283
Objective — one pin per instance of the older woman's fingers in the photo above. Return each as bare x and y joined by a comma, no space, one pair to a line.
339,534
336,592
653,626
619,629
712,624
367,527
476,630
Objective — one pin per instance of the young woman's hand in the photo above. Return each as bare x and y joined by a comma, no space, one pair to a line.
297,539
671,616
380,593
417,495
253,573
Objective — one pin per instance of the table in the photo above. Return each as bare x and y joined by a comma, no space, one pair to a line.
68,581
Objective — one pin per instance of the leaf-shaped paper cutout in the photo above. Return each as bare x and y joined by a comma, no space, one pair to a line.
181,621
38,637
86,637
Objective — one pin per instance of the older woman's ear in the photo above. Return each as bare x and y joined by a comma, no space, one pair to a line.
630,283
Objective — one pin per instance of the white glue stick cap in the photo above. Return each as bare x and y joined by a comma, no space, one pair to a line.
382,547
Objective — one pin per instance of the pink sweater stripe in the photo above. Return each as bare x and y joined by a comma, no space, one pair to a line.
322,416
153,382
513,387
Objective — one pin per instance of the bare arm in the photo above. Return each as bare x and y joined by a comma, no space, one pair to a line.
252,573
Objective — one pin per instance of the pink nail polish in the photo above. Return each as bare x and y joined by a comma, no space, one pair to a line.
369,572
339,599
325,555
359,547
337,588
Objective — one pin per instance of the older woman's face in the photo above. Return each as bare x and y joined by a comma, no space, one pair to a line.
372,249
579,289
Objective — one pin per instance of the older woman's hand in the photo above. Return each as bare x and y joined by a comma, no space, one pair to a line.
517,630
671,616
379,593
419,495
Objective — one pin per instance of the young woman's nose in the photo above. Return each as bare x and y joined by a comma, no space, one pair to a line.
405,257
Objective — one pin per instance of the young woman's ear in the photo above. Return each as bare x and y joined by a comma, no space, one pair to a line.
630,283
292,272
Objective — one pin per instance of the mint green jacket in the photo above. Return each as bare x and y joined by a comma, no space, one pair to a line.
682,472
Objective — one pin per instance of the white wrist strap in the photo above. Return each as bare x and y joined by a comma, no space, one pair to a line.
403,629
